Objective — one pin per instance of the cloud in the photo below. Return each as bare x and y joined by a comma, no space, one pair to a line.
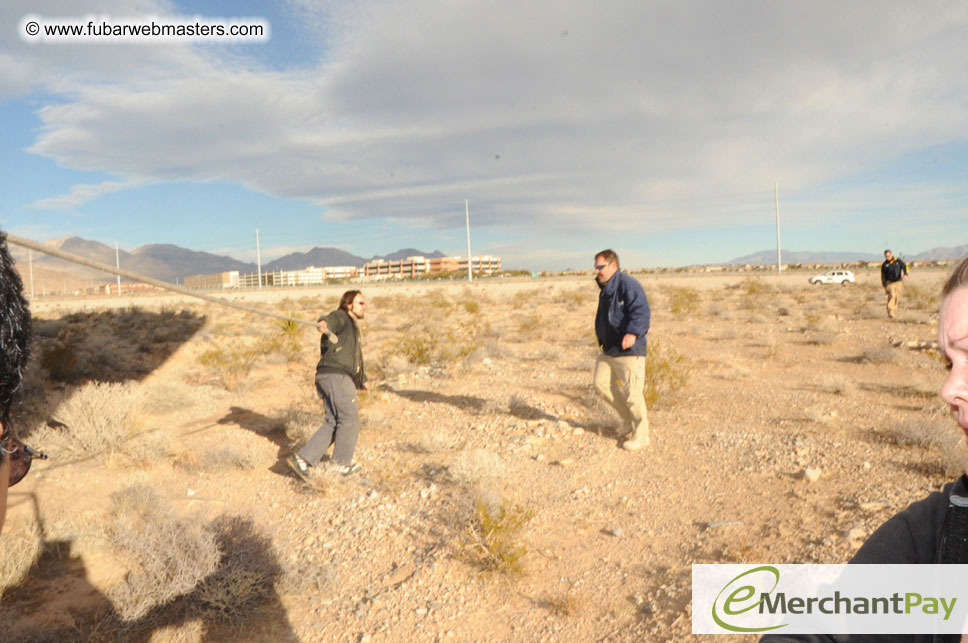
553,115
81,194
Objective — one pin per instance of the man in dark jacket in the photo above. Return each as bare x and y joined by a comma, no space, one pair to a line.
893,273
621,324
339,375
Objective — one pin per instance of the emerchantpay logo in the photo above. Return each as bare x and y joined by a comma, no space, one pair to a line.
829,599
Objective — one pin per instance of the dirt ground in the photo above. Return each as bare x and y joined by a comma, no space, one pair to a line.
790,421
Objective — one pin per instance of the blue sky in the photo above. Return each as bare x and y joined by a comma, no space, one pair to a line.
654,128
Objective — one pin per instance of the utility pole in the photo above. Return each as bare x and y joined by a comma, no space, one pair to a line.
776,194
467,217
258,257
30,261
117,264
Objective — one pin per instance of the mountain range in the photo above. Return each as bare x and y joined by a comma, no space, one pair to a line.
767,257
173,263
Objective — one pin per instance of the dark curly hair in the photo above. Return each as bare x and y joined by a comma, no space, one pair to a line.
15,331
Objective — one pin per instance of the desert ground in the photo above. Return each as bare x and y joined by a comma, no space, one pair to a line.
494,503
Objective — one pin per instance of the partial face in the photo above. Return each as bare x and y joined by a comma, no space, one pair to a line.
953,342
604,269
888,255
358,307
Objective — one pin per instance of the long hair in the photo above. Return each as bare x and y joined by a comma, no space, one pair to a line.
15,331
347,299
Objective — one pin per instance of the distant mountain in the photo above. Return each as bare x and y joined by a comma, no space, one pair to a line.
766,257
939,254
315,257
170,262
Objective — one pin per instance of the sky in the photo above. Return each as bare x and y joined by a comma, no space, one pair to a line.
663,130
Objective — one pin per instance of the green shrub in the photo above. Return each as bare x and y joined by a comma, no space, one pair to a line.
492,537
684,300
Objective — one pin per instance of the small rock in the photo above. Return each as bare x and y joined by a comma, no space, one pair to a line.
812,474
566,461
856,534
421,611
578,431
618,532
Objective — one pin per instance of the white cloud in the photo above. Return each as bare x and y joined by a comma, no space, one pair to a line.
81,194
562,114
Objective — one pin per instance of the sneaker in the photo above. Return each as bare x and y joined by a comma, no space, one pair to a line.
298,466
636,443
348,469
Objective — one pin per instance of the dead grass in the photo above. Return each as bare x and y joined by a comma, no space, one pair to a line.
684,300
665,372
21,547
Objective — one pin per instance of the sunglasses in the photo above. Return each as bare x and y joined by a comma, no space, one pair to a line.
21,456
602,266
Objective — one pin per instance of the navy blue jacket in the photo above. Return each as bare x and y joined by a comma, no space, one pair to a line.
622,308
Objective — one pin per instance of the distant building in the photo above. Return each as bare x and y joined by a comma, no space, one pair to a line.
309,276
415,266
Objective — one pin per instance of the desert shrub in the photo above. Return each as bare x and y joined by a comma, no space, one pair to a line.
291,332
574,297
471,306
562,604
21,548
529,326
936,431
491,539
60,360
752,286
229,366
475,465
920,298
527,298
218,459
246,572
95,418
169,556
300,424
418,349
665,372
684,300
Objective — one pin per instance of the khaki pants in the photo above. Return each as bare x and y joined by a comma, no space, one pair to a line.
893,290
620,380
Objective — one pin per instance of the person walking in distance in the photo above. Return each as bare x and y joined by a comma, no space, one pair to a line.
893,273
339,375
621,325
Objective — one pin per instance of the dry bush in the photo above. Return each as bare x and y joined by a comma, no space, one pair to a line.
148,448
527,298
752,286
233,456
665,372
936,431
472,466
21,548
565,604
684,300
246,572
471,306
574,297
492,535
229,366
838,384
300,425
920,298
168,556
97,417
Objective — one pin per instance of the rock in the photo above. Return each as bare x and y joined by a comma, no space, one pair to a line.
856,534
618,532
812,474
578,431
564,462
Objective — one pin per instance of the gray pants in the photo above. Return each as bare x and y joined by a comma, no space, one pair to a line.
342,422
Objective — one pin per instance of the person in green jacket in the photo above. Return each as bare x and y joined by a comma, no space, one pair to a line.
339,375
